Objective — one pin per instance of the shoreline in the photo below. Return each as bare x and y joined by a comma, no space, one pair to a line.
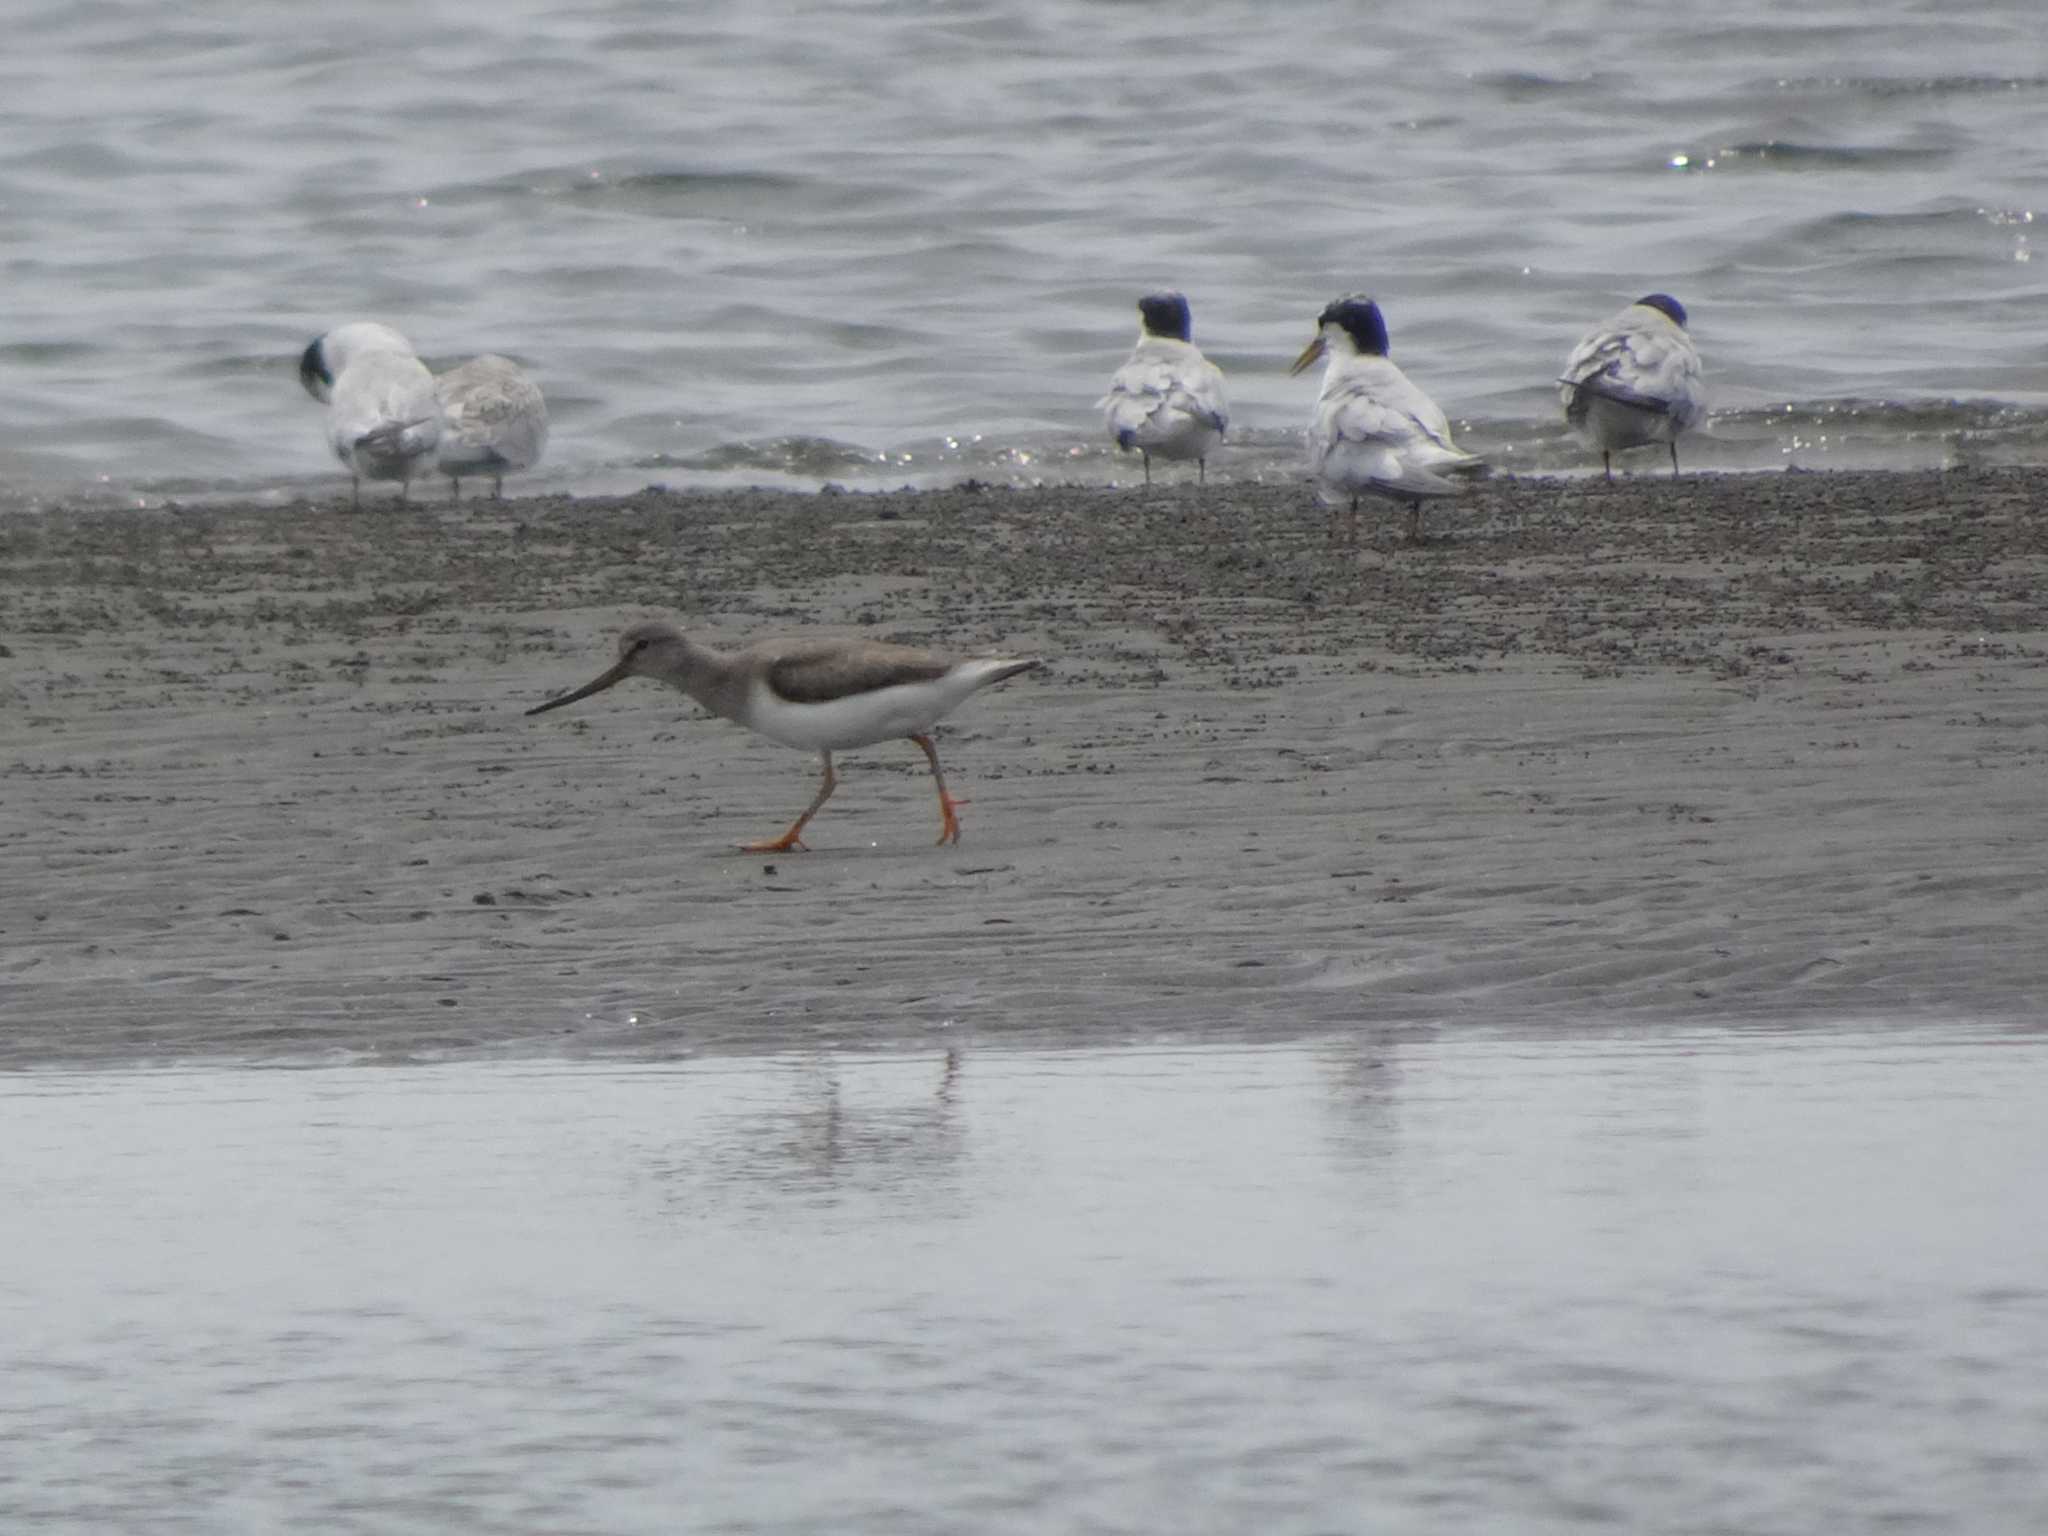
1743,747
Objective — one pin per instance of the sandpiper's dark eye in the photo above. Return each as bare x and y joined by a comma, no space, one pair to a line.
639,645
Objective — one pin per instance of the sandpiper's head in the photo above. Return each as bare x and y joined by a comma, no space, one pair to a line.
1166,314
1351,325
647,649
1666,306
327,355
643,646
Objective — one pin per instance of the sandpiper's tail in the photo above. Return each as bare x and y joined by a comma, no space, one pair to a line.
999,670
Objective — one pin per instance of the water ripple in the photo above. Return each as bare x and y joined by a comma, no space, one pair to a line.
895,225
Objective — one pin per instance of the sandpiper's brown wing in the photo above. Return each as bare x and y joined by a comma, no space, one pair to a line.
819,671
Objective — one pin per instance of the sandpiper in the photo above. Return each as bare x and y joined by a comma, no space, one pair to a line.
825,694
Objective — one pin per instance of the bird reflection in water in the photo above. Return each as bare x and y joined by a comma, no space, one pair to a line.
846,1127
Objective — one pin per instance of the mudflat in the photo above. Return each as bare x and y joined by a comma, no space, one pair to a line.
1724,747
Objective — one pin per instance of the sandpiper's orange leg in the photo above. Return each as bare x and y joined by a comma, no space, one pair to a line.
793,837
949,824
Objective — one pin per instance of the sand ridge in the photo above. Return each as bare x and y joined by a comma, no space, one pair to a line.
1731,746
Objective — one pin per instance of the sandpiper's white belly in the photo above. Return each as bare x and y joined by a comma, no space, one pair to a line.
858,720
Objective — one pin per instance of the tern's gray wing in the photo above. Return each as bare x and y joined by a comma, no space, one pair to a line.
1164,384
1380,404
384,406
1639,359
1201,387
496,416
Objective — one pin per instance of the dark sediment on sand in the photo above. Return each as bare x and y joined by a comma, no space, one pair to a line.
1755,747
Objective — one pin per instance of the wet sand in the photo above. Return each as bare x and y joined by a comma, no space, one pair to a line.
1755,747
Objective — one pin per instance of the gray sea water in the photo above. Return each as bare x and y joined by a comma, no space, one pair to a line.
893,241
1743,1282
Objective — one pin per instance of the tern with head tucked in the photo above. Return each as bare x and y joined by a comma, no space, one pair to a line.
1635,381
1167,399
1373,432
495,421
383,418
822,693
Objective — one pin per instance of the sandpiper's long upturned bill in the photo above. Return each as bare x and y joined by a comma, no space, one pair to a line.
1373,432
826,694
383,418
496,421
1167,399
1634,380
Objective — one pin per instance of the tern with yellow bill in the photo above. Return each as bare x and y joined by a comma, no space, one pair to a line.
824,694
1373,432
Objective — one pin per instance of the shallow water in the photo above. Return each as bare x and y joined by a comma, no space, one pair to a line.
893,242
1690,1280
